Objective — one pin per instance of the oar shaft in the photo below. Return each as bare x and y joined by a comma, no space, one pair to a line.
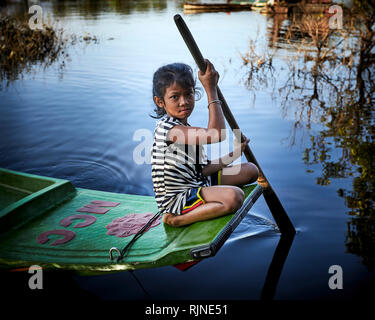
199,60
270,196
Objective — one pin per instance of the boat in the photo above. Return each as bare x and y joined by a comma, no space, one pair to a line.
52,224
259,3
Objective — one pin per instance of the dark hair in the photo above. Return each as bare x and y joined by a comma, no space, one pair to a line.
167,75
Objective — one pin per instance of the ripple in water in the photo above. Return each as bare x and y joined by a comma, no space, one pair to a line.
251,225
93,175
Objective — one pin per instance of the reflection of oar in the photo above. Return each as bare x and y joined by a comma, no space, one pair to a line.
273,202
276,266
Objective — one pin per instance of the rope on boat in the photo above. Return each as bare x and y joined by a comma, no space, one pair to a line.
135,238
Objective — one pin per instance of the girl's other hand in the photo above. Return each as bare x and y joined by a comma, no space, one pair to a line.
210,78
239,147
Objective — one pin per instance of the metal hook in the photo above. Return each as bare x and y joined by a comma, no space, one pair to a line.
114,249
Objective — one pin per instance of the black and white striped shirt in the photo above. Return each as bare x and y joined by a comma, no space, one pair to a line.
176,168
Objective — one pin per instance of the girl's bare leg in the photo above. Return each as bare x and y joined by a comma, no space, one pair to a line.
220,200
239,174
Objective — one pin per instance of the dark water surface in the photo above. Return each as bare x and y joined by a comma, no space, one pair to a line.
78,123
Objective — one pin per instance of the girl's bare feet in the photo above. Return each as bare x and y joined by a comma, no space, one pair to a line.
171,219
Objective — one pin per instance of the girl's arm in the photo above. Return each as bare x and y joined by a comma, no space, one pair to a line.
215,130
224,161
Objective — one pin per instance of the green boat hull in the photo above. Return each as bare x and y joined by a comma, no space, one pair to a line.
50,223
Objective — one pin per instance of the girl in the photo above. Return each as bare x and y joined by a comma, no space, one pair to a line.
188,187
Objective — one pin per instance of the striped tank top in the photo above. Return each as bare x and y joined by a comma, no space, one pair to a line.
176,168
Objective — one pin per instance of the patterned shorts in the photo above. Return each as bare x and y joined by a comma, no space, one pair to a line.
195,199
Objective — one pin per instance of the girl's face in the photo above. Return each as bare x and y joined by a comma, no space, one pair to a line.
177,102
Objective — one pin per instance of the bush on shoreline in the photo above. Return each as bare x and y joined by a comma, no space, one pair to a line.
22,47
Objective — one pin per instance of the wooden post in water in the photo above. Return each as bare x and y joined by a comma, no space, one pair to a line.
279,214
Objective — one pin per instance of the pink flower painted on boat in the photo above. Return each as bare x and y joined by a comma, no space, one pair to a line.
130,224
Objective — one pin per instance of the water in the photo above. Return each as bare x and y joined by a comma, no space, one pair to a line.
78,123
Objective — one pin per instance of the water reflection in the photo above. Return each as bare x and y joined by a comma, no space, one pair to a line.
274,271
93,9
89,9
328,88
276,266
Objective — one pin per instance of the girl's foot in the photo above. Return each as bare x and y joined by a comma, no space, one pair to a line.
171,219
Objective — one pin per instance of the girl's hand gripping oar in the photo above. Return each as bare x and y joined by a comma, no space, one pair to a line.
279,214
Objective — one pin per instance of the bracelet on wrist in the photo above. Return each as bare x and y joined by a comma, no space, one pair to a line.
213,101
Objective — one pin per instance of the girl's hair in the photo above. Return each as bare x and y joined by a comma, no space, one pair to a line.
167,75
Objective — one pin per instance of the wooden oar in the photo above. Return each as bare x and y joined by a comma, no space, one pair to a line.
279,214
